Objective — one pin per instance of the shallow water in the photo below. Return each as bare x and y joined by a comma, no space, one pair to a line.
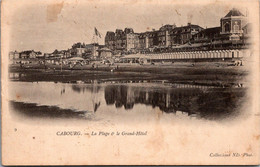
96,100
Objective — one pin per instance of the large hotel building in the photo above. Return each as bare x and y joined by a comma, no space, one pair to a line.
233,27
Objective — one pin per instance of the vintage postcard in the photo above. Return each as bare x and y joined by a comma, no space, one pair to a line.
130,82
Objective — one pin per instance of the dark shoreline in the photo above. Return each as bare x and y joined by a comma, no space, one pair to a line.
35,111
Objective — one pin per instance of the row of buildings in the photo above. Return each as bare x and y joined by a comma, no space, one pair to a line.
233,33
92,51
28,54
233,27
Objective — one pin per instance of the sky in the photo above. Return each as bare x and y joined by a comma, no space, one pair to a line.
49,25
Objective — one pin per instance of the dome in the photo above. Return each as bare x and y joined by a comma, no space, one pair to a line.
234,12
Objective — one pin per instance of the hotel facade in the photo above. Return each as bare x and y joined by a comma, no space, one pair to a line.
233,27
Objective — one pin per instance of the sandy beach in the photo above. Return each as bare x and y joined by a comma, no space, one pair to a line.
211,73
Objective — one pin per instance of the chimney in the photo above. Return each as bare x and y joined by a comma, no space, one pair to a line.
189,24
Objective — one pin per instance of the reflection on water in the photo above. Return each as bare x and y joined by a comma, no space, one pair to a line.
96,99
209,103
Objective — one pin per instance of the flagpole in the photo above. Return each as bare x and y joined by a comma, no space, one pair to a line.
96,35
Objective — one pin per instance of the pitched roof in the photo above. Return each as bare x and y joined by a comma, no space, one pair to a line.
185,27
27,52
211,30
234,12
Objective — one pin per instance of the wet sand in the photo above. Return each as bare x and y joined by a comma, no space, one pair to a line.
216,74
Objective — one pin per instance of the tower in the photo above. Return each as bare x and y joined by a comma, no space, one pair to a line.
232,23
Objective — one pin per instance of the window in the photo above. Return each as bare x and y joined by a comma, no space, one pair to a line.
236,27
227,27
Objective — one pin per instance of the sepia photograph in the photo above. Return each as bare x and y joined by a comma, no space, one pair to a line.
142,82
